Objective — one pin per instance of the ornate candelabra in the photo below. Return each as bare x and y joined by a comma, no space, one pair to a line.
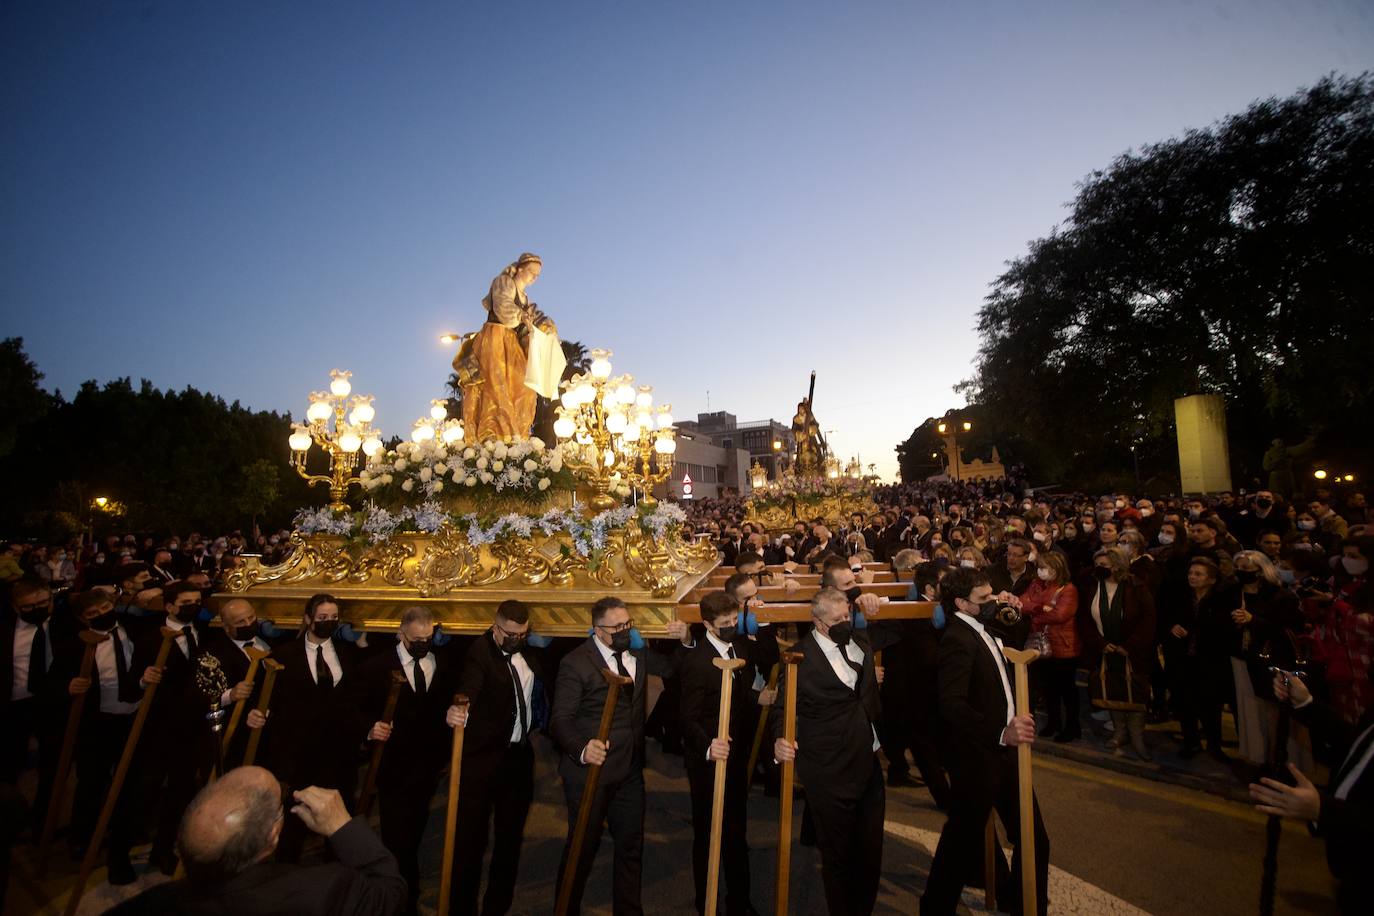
614,433
352,431
212,682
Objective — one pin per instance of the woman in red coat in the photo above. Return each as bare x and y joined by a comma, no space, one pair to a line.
1052,602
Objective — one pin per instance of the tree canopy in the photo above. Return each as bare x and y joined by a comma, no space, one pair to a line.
1235,259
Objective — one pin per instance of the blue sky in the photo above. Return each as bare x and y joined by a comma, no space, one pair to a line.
242,196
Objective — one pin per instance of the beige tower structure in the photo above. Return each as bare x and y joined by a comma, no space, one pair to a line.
1204,460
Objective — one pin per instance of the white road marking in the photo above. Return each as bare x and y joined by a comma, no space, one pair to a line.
1068,894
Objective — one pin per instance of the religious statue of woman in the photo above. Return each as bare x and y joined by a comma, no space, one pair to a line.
491,364
806,433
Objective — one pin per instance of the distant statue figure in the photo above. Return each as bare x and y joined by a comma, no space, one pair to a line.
1278,461
491,364
810,447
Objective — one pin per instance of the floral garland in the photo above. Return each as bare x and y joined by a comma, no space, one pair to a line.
512,467
807,491
375,524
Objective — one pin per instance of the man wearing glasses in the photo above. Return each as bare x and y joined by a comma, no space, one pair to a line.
578,701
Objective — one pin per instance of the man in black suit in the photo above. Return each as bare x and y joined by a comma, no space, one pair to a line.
34,702
731,545
1017,573
504,680
108,714
315,733
239,632
1342,812
174,753
982,732
417,740
836,753
578,700
701,681
227,840
139,599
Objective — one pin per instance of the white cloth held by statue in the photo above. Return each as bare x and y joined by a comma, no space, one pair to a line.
545,365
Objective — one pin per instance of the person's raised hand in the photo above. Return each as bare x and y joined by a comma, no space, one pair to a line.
322,810
1020,730
242,691
456,717
1178,632
1302,801
676,629
381,731
594,754
784,750
719,749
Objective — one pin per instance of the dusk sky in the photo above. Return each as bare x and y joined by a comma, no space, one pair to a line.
241,196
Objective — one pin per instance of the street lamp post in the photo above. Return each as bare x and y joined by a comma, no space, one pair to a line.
951,436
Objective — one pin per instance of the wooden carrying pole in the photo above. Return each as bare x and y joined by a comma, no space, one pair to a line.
455,767
265,698
121,772
369,792
758,732
584,810
789,732
728,667
254,657
1020,658
64,761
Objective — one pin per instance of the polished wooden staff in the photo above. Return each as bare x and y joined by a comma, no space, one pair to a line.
1019,659
126,759
455,768
64,760
789,732
254,656
759,730
369,792
728,667
991,849
584,810
272,666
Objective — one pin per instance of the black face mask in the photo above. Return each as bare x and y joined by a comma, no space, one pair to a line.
103,623
853,593
186,612
620,641
942,561
840,633
727,634
513,644
998,619
324,628
1102,573
1263,503
1246,576
245,633
419,648
35,617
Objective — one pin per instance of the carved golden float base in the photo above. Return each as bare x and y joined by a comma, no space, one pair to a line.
463,583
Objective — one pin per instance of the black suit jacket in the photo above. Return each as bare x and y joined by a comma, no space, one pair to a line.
419,744
492,706
313,737
701,695
1346,824
365,881
179,708
972,703
834,723
579,697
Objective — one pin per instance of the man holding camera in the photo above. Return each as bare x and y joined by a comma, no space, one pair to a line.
982,732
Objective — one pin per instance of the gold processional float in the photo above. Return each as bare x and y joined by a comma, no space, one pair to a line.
474,511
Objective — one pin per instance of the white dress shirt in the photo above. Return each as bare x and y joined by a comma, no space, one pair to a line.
331,659
108,674
526,675
23,651
995,648
848,675
628,659
408,664
181,642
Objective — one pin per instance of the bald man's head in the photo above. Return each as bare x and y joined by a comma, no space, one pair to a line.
231,824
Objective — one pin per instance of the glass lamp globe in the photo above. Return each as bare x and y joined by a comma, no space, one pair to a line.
632,432
665,416
664,446
350,442
363,412
318,411
616,423
299,441
645,398
586,393
601,363
563,427
609,459
625,394
371,446
422,432
453,432
339,385
438,410
568,399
